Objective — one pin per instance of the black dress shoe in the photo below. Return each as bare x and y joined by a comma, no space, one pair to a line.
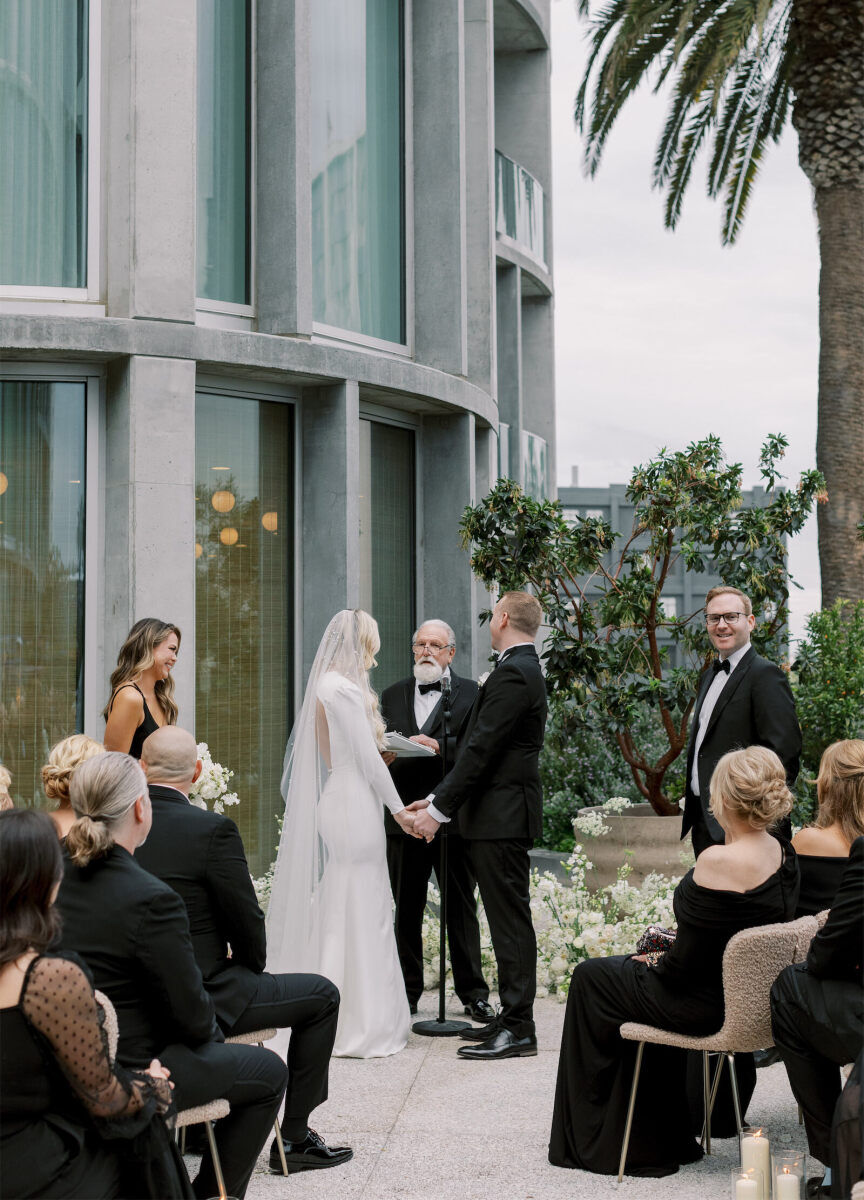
480,1010
503,1044
481,1033
766,1058
309,1155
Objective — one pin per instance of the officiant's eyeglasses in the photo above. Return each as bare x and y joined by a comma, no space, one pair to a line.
728,618
433,646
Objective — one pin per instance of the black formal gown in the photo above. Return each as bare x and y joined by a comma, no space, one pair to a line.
70,1125
148,725
820,879
683,992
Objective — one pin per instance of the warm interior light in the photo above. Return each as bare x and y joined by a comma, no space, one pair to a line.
223,501
199,549
270,521
228,536
4,483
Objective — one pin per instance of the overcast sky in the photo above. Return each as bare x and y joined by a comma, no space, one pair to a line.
662,338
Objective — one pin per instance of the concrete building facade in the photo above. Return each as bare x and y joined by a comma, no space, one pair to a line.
275,304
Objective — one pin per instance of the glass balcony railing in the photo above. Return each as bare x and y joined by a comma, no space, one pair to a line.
519,207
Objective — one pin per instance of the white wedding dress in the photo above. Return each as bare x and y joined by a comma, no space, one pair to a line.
331,908
357,943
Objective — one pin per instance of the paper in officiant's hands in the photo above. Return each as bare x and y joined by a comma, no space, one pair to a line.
403,747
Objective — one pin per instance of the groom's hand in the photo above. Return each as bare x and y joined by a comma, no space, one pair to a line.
417,805
425,825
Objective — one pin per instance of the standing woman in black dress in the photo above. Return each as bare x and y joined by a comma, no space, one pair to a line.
750,880
142,690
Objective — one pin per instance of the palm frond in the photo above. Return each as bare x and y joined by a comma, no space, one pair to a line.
697,128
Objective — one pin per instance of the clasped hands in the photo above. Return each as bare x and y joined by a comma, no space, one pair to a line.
417,823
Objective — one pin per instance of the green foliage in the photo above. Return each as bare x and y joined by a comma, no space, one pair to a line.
829,690
730,64
606,661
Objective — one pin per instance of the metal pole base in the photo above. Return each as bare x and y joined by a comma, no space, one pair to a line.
440,1028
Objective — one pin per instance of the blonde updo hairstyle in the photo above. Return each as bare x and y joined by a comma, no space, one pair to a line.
102,791
751,785
62,761
840,788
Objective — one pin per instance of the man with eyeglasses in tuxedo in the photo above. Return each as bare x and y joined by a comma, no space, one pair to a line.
743,700
413,707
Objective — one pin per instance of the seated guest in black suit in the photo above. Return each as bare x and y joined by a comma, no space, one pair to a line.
200,855
59,1089
413,707
823,847
817,1008
132,931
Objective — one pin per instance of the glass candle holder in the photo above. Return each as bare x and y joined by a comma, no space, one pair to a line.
788,1176
756,1155
748,1184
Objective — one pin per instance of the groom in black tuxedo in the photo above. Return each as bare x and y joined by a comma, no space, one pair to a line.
200,855
495,787
743,700
413,707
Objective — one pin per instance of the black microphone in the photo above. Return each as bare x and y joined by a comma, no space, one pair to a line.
445,685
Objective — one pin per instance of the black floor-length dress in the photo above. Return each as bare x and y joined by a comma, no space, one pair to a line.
685,993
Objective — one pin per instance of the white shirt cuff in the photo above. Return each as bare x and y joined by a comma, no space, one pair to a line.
436,815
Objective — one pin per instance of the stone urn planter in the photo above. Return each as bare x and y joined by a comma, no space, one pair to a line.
655,845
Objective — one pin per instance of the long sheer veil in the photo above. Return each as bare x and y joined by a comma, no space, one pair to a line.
294,911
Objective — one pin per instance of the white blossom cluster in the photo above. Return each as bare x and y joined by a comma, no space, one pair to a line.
589,821
212,783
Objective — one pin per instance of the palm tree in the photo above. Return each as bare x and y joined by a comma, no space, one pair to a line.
738,69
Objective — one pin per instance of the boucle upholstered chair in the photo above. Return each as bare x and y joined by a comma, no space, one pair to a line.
203,1114
257,1038
751,962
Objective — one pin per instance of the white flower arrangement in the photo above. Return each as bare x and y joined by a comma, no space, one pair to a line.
212,783
590,822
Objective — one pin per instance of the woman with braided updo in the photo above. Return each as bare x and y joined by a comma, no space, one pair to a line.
823,847
751,879
57,773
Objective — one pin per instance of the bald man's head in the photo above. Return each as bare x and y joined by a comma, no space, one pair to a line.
170,755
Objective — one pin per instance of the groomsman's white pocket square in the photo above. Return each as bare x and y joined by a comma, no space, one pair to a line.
482,679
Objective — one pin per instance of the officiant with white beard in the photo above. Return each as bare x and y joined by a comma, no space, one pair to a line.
413,707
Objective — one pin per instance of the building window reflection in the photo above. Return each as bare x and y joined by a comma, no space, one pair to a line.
244,608
42,524
43,143
357,125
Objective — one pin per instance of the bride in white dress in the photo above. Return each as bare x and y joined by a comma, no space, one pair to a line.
331,908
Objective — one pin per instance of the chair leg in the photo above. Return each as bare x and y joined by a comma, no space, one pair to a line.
736,1100
217,1165
281,1146
800,1115
705,1140
630,1109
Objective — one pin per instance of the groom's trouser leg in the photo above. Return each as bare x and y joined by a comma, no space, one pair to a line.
309,1006
503,873
463,928
409,861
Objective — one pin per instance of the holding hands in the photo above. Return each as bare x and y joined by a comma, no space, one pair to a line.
405,820
425,826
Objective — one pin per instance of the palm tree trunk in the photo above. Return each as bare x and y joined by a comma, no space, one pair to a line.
840,437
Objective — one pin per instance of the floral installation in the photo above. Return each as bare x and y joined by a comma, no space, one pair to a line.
589,821
212,783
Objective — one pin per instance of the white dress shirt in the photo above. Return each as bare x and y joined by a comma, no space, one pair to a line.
426,703
708,704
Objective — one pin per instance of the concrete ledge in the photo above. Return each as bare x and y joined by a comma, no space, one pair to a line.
309,362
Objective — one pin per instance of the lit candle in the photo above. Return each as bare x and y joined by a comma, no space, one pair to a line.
747,1189
785,1186
756,1154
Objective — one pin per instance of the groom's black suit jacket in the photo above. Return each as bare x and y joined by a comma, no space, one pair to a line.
415,778
200,855
755,708
495,784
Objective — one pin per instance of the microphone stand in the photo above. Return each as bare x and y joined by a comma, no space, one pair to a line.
442,1027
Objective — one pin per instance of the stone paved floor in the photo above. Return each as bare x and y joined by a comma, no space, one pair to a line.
426,1126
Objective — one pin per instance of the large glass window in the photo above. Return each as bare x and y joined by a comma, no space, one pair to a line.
42,494
43,142
223,251
357,166
244,607
387,540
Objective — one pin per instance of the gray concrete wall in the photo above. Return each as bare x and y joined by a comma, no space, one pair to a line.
480,188
149,562
329,522
538,374
509,316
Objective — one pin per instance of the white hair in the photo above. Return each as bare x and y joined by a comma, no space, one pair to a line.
450,635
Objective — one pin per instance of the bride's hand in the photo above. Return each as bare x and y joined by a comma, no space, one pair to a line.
405,820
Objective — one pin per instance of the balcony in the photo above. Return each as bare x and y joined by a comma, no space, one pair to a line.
519,208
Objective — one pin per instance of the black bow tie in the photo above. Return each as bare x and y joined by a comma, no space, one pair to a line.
429,687
719,666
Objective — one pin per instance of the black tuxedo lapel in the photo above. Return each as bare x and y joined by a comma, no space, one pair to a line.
732,684
434,723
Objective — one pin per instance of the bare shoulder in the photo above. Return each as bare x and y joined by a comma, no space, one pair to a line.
714,868
127,700
820,842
